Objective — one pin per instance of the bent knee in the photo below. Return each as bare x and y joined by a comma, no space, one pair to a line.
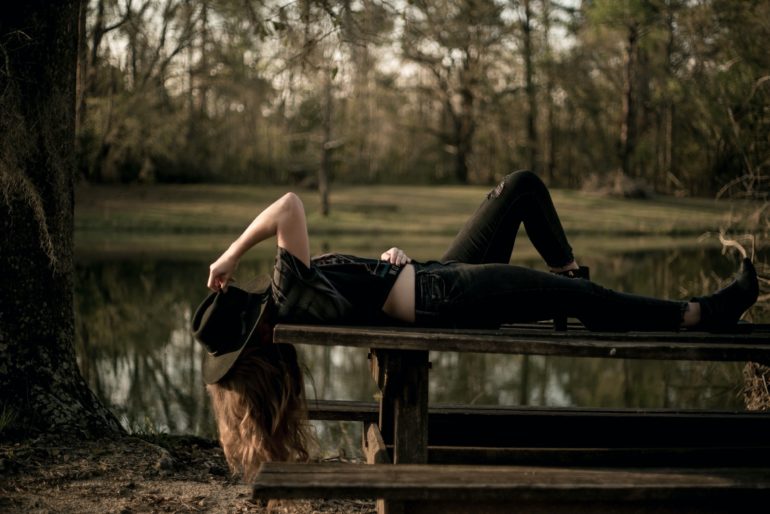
518,182
523,178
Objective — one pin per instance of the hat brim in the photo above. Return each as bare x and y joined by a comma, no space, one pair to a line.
214,368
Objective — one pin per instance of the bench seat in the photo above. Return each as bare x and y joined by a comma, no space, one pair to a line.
463,488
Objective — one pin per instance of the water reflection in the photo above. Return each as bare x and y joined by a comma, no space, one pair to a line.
136,351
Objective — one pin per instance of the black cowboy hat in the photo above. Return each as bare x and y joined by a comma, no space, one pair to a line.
225,323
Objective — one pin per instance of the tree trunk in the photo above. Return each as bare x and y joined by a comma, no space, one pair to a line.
203,64
39,377
570,130
550,129
463,120
526,26
461,158
644,113
82,74
628,124
668,112
464,130
326,159
670,164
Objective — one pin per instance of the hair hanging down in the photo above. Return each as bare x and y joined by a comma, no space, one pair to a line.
260,409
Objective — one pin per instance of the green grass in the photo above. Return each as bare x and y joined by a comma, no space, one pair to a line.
198,221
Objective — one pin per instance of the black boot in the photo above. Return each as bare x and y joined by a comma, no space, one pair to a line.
721,311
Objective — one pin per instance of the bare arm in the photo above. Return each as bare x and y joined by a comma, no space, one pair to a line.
285,219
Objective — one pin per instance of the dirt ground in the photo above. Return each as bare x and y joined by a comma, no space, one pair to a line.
47,475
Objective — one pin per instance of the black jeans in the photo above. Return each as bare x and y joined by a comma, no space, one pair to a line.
474,286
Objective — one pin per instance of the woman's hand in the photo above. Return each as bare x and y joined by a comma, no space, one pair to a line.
221,272
395,256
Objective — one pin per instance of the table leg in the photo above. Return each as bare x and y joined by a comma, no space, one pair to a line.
384,378
402,376
411,410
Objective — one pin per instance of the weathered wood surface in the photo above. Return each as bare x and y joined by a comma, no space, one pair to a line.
377,453
497,426
686,457
748,343
402,376
508,483
383,372
374,446
343,410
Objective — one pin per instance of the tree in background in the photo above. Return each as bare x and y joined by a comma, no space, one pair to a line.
633,19
131,121
669,92
729,95
459,53
528,55
42,388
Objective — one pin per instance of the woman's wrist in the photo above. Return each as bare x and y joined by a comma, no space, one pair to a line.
234,252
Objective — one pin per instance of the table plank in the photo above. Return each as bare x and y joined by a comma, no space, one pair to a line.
495,426
465,482
746,344
687,457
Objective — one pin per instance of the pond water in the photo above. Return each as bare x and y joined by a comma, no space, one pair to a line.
135,349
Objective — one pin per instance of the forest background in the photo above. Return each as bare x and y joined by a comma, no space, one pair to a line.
671,94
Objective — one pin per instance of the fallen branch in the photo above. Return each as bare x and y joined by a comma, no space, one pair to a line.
726,243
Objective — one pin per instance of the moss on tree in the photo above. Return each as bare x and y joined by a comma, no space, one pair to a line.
39,376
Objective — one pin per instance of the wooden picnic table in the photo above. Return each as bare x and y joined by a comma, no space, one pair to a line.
594,460
400,366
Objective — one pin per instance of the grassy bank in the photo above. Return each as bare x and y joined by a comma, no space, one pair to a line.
197,221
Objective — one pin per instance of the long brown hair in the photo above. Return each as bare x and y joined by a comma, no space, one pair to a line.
260,409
